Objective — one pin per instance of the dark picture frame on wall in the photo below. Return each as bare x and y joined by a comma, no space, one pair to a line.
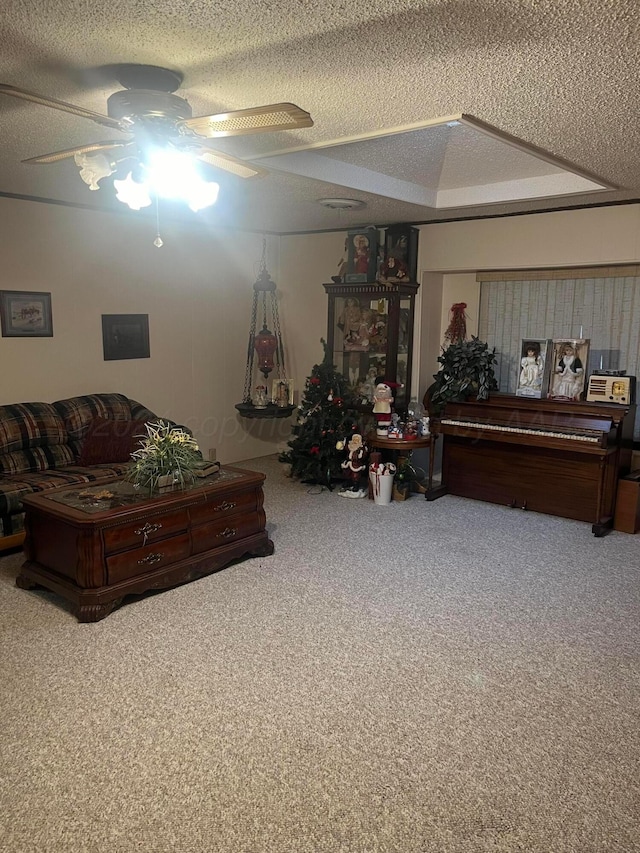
125,336
25,314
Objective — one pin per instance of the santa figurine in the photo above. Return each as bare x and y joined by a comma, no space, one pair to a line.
382,406
353,466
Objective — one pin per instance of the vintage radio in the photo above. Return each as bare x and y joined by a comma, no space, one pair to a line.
610,388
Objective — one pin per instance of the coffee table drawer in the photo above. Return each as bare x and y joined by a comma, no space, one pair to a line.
137,561
221,507
144,531
207,537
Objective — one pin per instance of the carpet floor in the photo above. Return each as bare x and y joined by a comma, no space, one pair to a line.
423,677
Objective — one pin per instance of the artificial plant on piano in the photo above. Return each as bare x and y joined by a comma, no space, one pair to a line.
466,370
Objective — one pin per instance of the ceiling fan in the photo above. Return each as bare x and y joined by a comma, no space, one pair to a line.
152,115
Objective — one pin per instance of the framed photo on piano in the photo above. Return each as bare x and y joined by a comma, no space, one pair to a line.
534,367
568,378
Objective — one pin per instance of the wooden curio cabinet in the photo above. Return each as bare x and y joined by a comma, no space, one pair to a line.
370,334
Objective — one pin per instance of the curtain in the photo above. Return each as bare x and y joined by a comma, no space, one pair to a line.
604,309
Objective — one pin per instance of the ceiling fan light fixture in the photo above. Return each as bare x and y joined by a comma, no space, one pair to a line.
169,172
341,203
166,174
174,174
203,195
94,167
132,193
149,112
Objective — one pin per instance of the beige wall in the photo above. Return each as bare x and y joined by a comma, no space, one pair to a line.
582,237
306,262
198,291
451,254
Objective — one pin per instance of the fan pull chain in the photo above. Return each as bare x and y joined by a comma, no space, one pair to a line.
158,241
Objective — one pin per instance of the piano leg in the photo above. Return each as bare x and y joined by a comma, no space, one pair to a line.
434,494
601,528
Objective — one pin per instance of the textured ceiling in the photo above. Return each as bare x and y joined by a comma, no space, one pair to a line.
559,75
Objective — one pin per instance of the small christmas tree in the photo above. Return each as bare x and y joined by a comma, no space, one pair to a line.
322,421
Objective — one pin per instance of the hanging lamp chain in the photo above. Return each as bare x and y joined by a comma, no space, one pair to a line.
263,260
250,350
265,286
282,371
280,367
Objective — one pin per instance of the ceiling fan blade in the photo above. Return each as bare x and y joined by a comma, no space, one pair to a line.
240,168
79,149
23,94
253,120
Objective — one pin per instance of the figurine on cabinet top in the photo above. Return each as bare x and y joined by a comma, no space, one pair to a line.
363,254
392,271
343,264
401,243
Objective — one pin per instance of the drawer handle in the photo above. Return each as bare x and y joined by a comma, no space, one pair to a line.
146,530
150,559
228,531
224,505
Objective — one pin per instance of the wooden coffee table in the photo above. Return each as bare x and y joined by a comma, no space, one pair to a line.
93,545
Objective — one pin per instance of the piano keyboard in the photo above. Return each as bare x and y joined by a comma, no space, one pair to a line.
573,436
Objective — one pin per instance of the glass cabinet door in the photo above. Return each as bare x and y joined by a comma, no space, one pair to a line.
360,341
370,336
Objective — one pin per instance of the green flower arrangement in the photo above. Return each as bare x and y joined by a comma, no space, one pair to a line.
165,452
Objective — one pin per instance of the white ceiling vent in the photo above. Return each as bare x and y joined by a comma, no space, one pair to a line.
341,203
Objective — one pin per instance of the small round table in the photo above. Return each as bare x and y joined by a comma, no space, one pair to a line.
400,444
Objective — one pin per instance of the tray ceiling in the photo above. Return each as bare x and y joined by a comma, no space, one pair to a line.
423,111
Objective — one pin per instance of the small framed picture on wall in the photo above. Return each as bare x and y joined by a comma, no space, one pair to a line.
125,336
25,314
534,367
569,371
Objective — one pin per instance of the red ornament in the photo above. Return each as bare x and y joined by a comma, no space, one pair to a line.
315,449
337,401
314,381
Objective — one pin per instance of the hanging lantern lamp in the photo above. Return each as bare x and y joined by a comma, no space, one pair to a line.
265,354
266,345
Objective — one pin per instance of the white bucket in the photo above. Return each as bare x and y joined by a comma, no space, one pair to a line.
382,485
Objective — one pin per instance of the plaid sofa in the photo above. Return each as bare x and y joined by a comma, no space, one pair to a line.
41,445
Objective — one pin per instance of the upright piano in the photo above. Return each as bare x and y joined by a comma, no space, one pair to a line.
553,456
